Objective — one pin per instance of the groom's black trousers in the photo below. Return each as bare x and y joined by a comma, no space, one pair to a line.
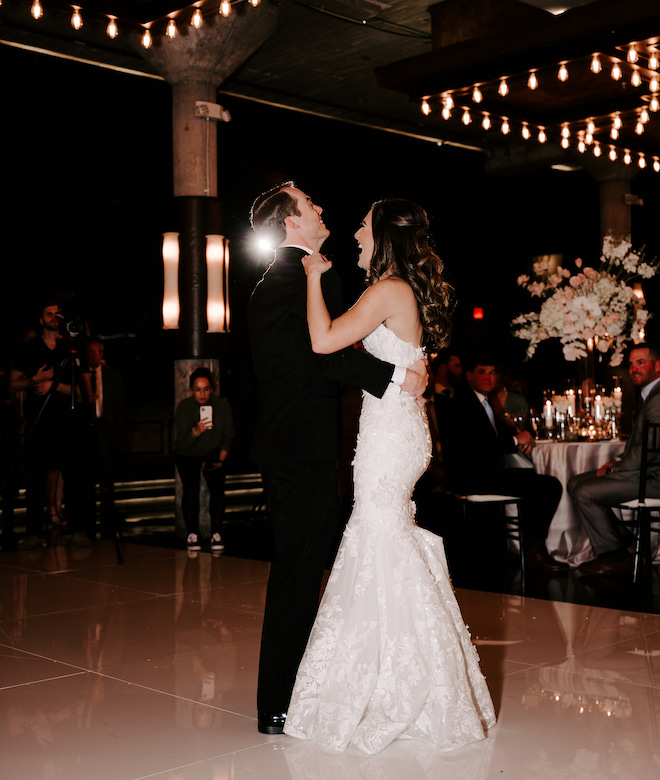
304,509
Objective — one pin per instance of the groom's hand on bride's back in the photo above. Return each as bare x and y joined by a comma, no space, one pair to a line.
417,378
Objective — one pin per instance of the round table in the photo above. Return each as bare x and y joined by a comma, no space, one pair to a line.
567,539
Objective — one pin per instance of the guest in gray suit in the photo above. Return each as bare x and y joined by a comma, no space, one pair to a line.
618,480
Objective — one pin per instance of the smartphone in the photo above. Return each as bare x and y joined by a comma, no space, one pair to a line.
206,413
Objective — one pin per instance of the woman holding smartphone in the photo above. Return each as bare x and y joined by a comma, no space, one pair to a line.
204,430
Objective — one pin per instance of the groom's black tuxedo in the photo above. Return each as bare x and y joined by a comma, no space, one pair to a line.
297,444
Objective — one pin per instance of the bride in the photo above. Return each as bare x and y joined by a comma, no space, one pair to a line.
389,655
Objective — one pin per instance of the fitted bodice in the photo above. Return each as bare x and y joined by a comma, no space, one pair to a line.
384,344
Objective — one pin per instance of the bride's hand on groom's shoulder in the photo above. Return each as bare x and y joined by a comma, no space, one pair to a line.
316,263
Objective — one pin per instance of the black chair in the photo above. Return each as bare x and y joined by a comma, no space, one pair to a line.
642,507
511,522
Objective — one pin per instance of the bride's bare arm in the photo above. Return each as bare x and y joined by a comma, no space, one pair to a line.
328,335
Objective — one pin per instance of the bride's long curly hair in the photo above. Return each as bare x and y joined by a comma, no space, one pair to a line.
403,247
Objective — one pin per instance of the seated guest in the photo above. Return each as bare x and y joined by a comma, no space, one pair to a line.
475,443
618,480
507,403
204,430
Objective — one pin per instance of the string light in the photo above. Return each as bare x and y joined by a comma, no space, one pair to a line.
147,40
76,18
506,127
485,122
654,104
503,89
627,158
562,73
589,139
654,60
639,127
171,30
466,118
526,134
614,133
656,165
636,78
597,149
596,67
591,127
618,122
197,19
582,146
616,71
426,108
612,155
254,3
476,95
112,29
446,112
542,136
532,81
644,115
654,83
565,131
632,56
448,100
37,11
642,160
565,143
225,8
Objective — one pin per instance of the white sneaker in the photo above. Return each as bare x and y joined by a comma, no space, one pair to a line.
193,542
216,543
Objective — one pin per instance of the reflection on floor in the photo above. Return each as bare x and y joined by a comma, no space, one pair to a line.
148,669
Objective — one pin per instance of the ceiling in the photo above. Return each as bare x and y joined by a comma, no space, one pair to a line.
372,62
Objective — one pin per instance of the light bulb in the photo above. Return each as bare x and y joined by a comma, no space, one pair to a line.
485,122
255,3
532,81
654,60
76,19
525,131
616,71
37,11
591,127
589,138
597,149
642,160
581,146
448,101
565,143
654,105
654,83
596,67
632,55
644,115
618,122
506,128
476,95
565,131
627,159
426,109
636,78
171,30
503,89
614,133
112,30
639,127
466,118
562,73
612,154
147,39
446,112
197,19
656,165
225,8
542,136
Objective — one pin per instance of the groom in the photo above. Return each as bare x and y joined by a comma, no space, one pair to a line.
298,435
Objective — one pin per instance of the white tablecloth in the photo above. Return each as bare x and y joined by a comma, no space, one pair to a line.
567,540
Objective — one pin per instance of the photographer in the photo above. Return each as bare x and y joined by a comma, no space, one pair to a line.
204,430
50,423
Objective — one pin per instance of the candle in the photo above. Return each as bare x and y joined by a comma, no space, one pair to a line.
617,394
570,403
599,408
548,415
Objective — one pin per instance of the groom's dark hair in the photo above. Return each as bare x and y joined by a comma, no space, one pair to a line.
271,208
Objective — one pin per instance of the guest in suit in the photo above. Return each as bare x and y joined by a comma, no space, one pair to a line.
475,443
298,435
618,480
105,395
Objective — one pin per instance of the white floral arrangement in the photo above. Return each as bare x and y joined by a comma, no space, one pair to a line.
589,306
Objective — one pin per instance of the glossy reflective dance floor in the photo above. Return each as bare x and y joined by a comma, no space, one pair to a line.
148,669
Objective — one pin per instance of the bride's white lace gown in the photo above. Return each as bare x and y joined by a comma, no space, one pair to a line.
389,655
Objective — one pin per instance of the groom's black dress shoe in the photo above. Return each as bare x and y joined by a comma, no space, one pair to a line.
271,722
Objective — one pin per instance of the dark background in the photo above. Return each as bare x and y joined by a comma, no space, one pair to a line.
87,192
